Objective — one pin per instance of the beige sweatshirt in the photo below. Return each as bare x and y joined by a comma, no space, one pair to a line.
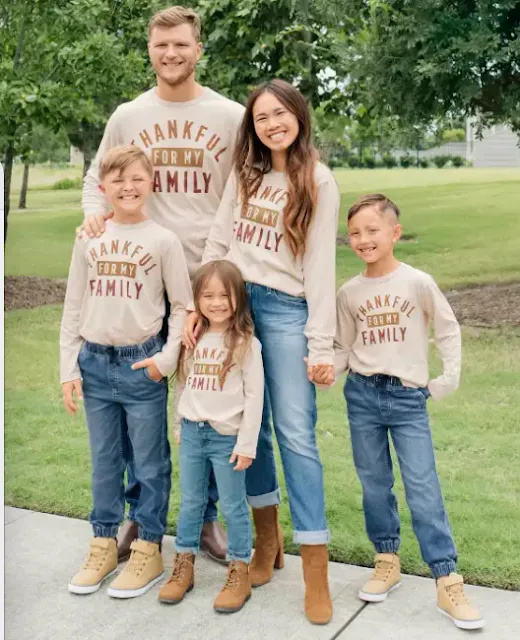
383,327
255,242
115,293
237,408
191,147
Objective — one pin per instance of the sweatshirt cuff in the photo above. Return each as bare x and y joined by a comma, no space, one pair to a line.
243,450
164,364
440,389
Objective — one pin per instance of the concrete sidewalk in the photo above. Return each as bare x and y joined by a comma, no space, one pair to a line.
43,551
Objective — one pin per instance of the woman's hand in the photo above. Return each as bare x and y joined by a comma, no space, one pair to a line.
242,462
323,374
191,330
153,371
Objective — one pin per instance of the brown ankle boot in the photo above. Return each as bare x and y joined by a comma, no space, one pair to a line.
237,590
318,605
268,545
128,532
181,580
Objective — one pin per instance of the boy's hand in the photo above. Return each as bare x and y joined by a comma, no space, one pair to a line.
323,374
149,364
71,389
243,462
191,330
177,437
94,225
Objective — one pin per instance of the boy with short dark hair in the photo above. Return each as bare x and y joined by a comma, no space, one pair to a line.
383,321
113,357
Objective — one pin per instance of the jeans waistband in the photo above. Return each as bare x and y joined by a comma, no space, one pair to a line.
377,380
130,352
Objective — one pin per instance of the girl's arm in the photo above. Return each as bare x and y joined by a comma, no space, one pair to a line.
221,232
319,272
70,338
178,287
253,373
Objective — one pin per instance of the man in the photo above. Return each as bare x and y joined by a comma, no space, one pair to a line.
189,132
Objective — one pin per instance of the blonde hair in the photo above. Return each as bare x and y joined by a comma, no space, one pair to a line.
119,158
239,334
173,17
379,200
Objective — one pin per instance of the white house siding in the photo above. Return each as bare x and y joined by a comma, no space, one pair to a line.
498,147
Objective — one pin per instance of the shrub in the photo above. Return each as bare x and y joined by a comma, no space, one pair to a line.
353,162
369,161
406,161
389,161
423,163
439,161
68,183
457,161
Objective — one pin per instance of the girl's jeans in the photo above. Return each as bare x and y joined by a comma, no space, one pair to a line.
201,448
377,405
114,394
280,320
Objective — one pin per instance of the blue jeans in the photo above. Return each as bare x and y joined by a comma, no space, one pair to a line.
291,400
377,405
115,395
202,447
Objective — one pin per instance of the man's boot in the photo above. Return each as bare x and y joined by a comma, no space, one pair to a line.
128,532
213,540
268,545
318,604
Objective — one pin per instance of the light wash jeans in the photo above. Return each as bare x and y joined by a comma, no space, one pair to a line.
378,405
202,447
291,399
114,395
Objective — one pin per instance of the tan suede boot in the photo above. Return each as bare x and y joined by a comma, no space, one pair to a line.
237,590
181,581
268,545
318,605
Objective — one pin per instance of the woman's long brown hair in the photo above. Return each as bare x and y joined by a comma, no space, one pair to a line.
252,159
239,334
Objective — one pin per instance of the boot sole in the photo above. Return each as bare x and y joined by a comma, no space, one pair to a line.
85,590
133,593
171,601
377,597
222,610
463,624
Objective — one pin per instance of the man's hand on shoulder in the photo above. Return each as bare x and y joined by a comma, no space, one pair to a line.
94,225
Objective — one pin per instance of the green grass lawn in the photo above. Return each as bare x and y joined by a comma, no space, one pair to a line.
467,231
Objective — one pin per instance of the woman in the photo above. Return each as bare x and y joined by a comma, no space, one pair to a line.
277,222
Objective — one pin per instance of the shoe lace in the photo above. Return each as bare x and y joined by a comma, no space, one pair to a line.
137,562
95,558
182,562
457,595
382,570
233,579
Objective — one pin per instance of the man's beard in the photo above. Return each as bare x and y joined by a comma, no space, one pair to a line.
175,82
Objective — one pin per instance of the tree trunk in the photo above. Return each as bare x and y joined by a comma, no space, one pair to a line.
25,183
8,172
87,161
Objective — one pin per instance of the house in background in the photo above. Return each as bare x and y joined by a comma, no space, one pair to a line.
499,146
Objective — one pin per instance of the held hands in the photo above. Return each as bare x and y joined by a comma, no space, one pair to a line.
149,364
323,374
191,330
71,389
243,462
94,225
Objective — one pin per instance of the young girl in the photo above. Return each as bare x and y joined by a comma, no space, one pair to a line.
221,410
277,222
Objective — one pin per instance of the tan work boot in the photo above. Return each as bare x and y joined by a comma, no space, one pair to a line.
453,603
318,604
143,570
386,578
237,590
101,563
128,532
181,581
268,545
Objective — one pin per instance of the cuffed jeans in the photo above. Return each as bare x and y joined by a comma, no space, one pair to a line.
280,320
377,405
201,449
114,395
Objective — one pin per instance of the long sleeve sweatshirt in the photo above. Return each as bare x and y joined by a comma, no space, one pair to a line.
115,293
190,145
254,241
236,409
383,326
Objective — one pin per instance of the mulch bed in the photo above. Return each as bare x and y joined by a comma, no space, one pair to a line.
490,305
